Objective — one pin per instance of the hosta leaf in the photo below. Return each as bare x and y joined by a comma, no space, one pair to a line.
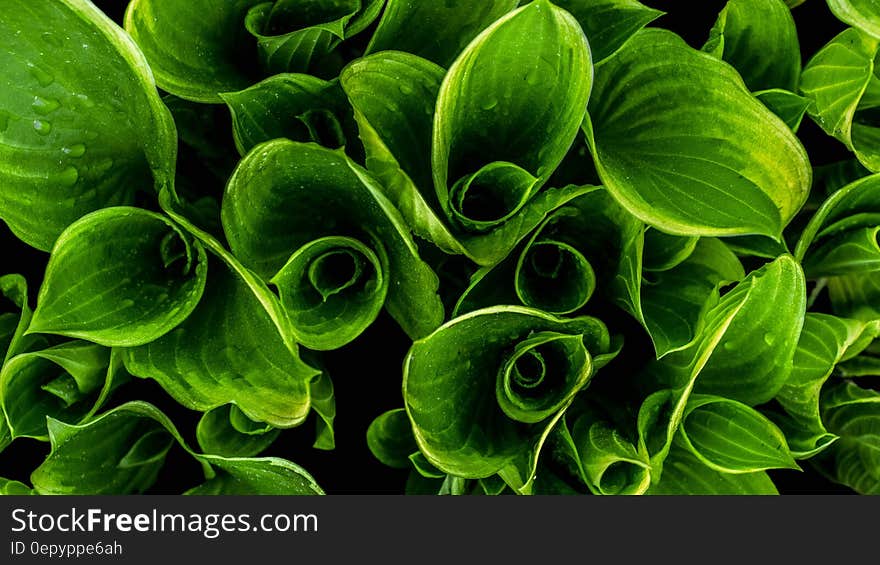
227,432
853,413
196,49
609,24
683,473
823,343
296,35
413,26
67,382
9,487
120,452
730,437
660,122
856,295
296,211
669,303
759,39
295,106
507,112
835,80
229,351
863,14
664,252
263,476
841,237
609,462
790,107
743,351
15,315
394,94
72,139
147,278
474,388
324,404
391,440
156,254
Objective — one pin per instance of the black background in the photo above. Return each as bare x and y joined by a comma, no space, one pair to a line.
366,384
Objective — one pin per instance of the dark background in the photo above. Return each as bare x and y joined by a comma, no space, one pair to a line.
367,385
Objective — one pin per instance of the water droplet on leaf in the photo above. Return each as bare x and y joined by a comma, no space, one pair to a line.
42,127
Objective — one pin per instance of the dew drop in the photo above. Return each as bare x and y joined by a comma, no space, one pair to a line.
768,338
532,79
489,104
51,39
42,127
405,89
45,106
103,165
43,77
77,150
68,176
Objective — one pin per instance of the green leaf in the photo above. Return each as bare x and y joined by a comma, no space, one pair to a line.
607,460
760,40
229,350
394,94
841,237
507,112
323,216
13,488
137,277
558,268
690,150
390,439
412,26
67,382
669,304
664,251
824,342
219,432
324,404
195,49
88,458
790,107
730,437
82,126
295,106
863,14
836,80
853,414
609,24
744,352
685,474
15,316
258,476
532,362
295,35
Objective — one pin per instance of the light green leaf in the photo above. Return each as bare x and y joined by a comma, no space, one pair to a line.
666,148
301,204
730,437
137,277
196,49
790,107
853,413
507,112
14,488
856,296
863,14
608,461
684,474
257,476
82,126
669,304
324,405
220,432
609,24
841,237
229,351
664,252
295,106
760,40
835,80
469,386
67,382
390,439
15,316
412,26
